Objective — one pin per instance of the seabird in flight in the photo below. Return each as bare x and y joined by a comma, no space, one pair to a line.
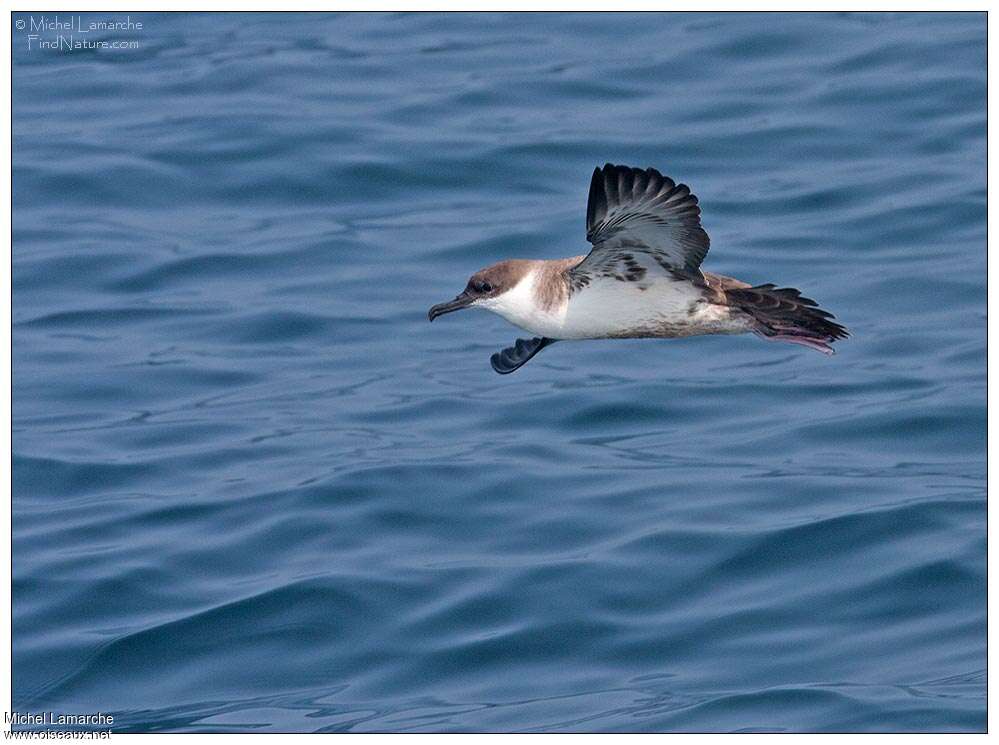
641,279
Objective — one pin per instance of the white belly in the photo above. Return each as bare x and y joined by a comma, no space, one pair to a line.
609,308
665,308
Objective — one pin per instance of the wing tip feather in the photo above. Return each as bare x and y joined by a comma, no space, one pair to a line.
626,192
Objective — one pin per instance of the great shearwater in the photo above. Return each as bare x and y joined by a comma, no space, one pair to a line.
641,279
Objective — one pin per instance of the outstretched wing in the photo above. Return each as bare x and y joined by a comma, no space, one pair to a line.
634,213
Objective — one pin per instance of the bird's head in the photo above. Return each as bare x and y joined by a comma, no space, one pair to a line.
485,287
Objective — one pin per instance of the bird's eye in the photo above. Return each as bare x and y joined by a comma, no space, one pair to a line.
485,287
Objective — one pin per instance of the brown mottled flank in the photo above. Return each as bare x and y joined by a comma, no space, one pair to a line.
661,330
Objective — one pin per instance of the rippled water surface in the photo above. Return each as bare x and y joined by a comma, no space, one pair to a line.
255,490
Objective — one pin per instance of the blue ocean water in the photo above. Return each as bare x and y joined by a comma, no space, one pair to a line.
253,489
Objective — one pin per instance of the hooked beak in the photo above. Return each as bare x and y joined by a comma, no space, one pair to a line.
462,301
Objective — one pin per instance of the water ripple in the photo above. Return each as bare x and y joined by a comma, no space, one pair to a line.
254,490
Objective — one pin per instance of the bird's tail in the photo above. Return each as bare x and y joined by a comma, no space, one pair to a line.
782,314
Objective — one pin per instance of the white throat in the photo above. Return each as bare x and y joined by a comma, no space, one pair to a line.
519,305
